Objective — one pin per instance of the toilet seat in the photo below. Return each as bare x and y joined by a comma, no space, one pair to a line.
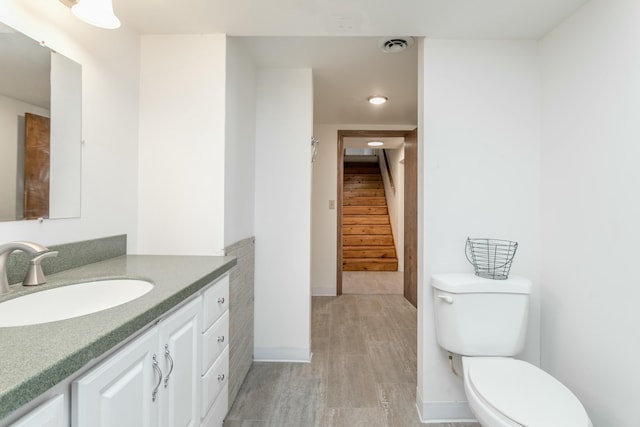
523,393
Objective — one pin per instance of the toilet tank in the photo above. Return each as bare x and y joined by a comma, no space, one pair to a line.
480,317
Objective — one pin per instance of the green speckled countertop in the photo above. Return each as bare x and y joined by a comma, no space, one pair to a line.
35,358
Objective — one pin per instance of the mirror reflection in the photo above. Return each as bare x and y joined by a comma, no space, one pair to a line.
40,130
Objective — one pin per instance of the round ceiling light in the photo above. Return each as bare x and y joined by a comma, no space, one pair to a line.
375,143
377,99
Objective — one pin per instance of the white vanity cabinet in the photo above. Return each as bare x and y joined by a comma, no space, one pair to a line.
157,379
215,354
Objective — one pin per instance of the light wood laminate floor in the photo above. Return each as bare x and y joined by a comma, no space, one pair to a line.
363,371
373,282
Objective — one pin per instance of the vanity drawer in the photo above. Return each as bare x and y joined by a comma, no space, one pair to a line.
214,380
215,417
216,302
215,339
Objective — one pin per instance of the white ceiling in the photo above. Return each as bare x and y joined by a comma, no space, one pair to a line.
339,38
346,71
475,19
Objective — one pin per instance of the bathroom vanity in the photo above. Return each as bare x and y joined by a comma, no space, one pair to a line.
157,360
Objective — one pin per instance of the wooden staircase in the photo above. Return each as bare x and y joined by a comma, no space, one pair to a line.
367,241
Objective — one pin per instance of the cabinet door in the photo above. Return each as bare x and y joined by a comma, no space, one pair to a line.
119,392
52,413
180,345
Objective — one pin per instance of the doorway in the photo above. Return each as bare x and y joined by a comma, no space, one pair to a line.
410,241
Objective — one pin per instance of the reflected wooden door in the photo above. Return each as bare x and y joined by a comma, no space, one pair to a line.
36,166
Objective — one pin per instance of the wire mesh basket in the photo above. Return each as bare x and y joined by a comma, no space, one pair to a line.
491,258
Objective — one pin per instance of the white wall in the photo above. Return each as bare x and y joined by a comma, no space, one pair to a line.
591,208
480,177
182,153
324,188
239,204
110,70
395,198
284,115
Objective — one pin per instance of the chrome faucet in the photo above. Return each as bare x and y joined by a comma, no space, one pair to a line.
7,248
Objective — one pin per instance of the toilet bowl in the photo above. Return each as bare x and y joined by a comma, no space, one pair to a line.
506,392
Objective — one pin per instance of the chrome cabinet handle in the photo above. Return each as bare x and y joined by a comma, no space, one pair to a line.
159,372
221,339
221,300
167,355
220,377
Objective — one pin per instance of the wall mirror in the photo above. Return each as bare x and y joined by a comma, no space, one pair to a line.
40,130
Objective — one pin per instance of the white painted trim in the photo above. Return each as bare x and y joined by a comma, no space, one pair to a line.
299,355
323,292
443,412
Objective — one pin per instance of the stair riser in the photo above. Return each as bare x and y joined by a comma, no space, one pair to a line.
361,178
366,230
352,240
369,253
365,201
350,186
365,220
364,192
370,267
365,210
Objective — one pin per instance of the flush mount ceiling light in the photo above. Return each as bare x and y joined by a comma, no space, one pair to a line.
375,143
395,44
98,13
377,99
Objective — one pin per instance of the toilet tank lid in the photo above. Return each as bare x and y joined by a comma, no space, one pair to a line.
467,283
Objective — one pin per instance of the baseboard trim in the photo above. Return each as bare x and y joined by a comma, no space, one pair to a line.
443,412
281,355
323,292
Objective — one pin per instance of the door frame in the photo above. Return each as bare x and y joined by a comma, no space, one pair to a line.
340,184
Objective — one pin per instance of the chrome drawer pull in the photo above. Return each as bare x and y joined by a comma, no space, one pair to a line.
221,300
167,355
221,339
220,377
157,369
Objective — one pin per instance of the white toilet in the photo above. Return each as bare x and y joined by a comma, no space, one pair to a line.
485,321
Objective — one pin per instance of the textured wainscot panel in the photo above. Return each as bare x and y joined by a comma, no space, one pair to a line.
241,284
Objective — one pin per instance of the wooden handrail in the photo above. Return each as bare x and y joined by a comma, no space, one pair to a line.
386,162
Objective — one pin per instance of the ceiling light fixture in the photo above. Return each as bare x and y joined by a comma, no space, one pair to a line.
377,99
375,143
98,13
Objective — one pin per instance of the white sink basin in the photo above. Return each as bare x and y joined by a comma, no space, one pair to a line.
70,301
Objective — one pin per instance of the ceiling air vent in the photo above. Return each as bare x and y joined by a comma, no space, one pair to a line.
395,44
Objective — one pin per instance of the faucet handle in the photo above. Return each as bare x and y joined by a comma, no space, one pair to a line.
35,276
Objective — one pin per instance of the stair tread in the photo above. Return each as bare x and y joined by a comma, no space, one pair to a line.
365,219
